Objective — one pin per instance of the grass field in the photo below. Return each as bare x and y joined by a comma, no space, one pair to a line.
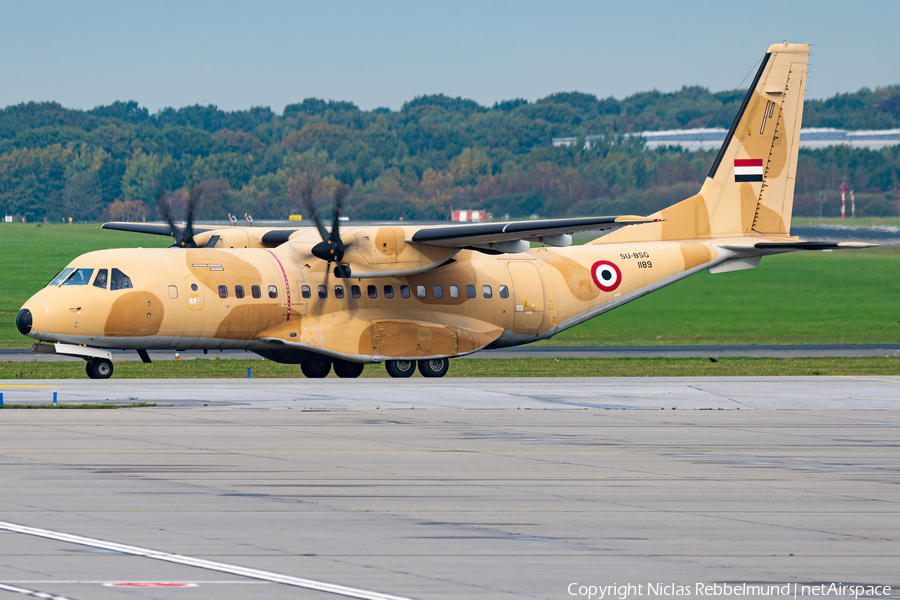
850,297
848,222
32,254
473,367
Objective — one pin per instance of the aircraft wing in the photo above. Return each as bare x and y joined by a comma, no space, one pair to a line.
151,228
515,236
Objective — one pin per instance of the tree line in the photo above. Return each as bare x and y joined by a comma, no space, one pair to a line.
434,154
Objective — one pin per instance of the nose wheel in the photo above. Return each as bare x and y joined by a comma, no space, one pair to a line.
99,368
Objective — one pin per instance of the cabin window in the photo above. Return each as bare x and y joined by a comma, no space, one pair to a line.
238,291
420,291
373,291
487,291
173,292
255,292
454,291
223,291
79,277
305,291
100,281
388,291
438,291
404,291
338,291
273,291
61,276
504,291
119,280
354,291
470,291
323,291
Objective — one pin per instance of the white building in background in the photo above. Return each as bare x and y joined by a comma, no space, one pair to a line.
711,139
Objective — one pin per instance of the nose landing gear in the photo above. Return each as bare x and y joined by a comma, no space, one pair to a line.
99,368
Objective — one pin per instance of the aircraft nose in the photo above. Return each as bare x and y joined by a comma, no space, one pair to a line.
24,321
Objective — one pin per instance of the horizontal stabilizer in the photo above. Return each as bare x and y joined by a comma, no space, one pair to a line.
761,248
795,246
504,236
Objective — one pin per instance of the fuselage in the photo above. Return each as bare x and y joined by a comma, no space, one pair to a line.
276,302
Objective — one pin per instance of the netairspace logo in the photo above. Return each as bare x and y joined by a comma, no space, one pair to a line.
721,590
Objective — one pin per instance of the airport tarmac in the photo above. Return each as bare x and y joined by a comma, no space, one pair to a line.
447,503
812,392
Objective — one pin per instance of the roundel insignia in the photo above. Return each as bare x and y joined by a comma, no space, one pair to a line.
606,275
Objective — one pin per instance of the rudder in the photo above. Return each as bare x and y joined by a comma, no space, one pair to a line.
750,187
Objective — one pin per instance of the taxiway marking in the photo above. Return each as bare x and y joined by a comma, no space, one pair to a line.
868,378
29,386
33,593
190,561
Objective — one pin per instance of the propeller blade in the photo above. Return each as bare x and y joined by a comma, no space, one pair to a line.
332,247
187,239
340,192
307,196
163,208
327,278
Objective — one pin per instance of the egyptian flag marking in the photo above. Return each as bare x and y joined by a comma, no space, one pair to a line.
748,169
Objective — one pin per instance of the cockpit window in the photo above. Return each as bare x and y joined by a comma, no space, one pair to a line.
100,281
79,277
62,276
119,281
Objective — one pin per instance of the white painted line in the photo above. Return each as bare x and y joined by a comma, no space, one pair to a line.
147,584
106,581
200,563
12,588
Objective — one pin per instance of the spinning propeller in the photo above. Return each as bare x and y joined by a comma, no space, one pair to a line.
184,236
331,248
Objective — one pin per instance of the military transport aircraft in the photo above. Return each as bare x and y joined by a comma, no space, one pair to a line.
408,295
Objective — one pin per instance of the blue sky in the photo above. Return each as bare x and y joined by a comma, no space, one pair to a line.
271,53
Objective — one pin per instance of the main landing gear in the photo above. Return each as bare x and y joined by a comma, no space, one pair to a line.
433,367
319,367
99,368
400,368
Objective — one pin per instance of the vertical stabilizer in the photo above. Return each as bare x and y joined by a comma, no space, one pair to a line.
757,165
750,187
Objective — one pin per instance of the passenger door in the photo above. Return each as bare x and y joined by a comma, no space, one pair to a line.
528,293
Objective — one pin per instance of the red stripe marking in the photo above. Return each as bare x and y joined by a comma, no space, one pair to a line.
287,286
748,162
